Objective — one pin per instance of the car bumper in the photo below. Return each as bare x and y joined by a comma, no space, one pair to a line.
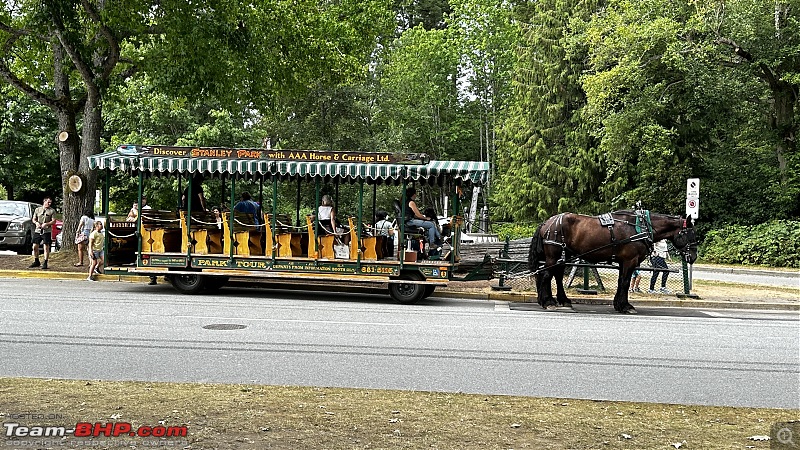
11,241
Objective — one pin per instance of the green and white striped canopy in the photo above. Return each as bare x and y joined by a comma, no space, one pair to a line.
435,172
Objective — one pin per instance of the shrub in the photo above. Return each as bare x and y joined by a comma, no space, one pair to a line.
513,230
775,243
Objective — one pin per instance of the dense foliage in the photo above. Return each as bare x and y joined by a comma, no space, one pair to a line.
773,243
581,105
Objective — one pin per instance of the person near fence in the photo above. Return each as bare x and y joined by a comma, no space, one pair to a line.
96,244
659,261
415,218
85,227
247,206
635,279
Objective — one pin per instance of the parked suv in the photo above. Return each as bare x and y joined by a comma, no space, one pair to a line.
16,226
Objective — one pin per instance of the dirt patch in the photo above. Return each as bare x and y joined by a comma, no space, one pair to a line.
280,417
59,262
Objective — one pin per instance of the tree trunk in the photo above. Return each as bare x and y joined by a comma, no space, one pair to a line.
71,149
783,124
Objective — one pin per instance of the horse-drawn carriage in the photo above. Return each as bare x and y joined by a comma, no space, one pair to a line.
198,254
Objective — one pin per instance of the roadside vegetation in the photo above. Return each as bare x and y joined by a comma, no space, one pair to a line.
282,417
581,106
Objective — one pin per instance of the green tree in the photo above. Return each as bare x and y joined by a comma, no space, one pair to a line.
67,55
28,157
757,41
547,161
487,36
419,109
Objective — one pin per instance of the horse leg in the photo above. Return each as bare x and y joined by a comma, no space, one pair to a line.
621,303
540,293
545,290
561,294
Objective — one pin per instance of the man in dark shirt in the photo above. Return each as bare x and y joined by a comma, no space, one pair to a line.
248,206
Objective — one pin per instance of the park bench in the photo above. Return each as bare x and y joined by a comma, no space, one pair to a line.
288,243
324,242
204,234
368,244
246,234
160,231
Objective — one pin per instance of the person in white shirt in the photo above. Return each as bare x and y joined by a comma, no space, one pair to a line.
385,228
327,216
659,261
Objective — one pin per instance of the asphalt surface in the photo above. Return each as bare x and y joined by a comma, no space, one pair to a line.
131,331
456,289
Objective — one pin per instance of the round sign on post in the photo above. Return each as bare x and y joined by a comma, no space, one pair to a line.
693,207
693,197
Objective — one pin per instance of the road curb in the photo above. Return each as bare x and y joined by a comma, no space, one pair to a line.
760,272
443,293
677,303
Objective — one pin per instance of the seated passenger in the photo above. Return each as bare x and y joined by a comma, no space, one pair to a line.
248,206
415,218
327,216
386,229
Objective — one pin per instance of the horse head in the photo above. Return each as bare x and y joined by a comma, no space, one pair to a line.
686,241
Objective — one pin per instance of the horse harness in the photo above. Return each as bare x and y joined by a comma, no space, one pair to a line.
643,227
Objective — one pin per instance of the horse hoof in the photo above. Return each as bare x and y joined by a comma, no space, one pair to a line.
566,307
630,310
551,307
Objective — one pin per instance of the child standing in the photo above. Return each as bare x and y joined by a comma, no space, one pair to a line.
96,243
635,279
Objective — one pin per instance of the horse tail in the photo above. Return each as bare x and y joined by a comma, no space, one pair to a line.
536,251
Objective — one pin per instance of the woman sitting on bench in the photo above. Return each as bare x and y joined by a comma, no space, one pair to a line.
327,216
415,218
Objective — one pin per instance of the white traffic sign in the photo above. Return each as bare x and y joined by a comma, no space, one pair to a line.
693,207
693,188
693,197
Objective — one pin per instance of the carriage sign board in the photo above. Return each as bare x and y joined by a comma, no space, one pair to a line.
693,197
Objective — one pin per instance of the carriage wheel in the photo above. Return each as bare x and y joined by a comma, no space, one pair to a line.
408,293
188,284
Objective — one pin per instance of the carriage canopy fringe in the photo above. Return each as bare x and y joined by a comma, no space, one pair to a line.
433,172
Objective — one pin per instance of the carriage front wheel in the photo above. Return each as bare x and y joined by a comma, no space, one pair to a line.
408,293
188,284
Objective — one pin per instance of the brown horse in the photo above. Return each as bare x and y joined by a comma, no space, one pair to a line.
625,237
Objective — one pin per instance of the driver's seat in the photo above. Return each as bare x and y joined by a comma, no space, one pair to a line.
412,233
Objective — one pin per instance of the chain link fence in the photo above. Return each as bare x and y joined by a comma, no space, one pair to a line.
587,279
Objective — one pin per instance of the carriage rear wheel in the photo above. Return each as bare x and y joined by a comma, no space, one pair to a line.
188,284
408,293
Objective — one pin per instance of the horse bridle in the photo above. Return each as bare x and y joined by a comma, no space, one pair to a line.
686,234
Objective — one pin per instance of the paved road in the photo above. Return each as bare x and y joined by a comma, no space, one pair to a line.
126,331
748,276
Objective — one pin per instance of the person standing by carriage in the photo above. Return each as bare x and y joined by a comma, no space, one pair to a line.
659,260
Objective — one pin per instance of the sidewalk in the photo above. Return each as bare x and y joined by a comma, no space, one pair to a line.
477,290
